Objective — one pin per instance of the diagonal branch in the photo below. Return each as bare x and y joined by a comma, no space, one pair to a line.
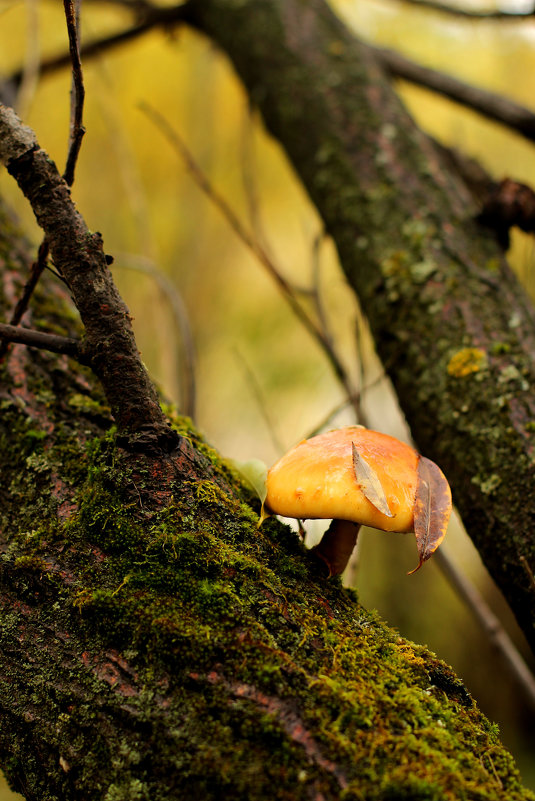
286,289
471,13
43,341
109,342
493,106
77,92
488,104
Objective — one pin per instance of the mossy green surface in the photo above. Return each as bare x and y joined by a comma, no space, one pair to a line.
156,644
222,660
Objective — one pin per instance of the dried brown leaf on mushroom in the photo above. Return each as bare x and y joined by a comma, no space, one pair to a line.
432,509
369,482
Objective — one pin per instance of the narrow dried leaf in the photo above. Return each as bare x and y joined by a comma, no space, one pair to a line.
432,509
254,471
370,483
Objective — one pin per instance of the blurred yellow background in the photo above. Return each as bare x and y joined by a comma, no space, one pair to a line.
262,382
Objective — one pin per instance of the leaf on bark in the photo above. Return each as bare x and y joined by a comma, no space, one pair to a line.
432,509
369,483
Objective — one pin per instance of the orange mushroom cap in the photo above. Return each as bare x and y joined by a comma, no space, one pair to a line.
316,479
365,477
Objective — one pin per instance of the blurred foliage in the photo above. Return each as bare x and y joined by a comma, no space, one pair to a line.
254,361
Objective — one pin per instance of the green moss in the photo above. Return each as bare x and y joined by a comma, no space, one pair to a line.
228,665
499,348
85,404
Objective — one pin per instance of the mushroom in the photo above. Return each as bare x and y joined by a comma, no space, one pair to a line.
360,477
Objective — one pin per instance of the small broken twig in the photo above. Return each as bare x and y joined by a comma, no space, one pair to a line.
43,341
492,627
35,273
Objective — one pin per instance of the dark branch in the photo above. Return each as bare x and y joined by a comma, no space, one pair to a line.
467,13
76,135
36,271
43,341
510,204
490,105
79,256
77,93
153,17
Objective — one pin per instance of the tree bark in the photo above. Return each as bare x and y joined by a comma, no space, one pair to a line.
451,323
109,345
155,644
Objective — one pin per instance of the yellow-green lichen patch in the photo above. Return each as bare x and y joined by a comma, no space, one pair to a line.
423,270
467,361
488,484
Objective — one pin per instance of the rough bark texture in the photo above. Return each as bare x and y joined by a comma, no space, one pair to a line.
452,325
109,344
154,644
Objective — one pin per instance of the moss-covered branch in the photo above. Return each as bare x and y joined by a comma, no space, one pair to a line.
155,644
449,317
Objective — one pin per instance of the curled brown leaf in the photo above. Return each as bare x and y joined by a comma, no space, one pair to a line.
432,509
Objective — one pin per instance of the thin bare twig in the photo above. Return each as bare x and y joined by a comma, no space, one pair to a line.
248,171
32,59
261,402
329,417
488,104
471,13
493,628
22,304
188,385
77,130
316,292
285,287
528,570
42,341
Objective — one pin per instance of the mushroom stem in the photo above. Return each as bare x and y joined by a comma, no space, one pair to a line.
336,545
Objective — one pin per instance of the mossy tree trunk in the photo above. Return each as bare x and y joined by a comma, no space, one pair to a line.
453,327
154,643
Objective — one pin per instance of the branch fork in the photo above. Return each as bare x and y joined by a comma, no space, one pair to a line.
109,343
